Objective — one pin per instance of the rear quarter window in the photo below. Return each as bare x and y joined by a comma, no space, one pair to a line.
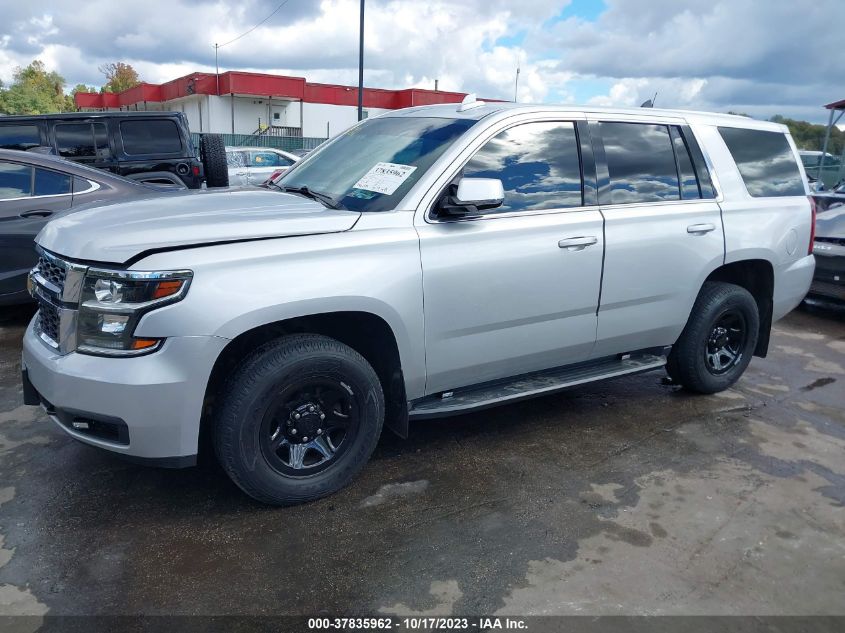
151,137
765,161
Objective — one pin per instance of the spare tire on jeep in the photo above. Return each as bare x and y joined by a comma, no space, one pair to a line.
213,156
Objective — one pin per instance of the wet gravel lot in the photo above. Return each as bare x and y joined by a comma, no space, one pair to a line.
625,497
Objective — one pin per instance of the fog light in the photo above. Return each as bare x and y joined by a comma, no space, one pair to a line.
113,323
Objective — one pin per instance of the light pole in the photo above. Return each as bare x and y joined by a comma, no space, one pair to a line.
361,66
217,68
516,82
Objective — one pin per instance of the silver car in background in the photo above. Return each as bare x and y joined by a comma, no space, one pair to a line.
254,165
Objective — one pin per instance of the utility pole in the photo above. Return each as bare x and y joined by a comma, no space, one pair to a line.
361,66
217,68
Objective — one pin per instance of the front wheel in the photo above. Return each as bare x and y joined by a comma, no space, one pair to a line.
718,341
299,419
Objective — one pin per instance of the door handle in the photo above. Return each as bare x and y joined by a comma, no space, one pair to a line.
40,213
700,229
578,243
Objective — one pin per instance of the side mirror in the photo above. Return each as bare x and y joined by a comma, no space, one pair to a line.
473,195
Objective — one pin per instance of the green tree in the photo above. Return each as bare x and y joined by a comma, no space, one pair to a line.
34,91
82,88
810,136
119,77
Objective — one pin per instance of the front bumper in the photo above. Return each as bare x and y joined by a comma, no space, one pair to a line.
158,398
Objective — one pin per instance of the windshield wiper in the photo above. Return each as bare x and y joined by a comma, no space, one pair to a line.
324,198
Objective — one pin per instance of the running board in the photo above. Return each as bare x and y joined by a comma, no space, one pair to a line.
540,383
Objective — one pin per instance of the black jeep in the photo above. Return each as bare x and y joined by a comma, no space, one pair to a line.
152,147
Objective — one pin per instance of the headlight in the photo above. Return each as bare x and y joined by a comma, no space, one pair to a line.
114,301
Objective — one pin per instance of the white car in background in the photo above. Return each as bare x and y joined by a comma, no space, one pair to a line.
254,165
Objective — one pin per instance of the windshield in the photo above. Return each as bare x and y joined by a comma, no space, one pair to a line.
372,166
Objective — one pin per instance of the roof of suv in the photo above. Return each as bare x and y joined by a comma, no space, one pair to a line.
89,115
482,109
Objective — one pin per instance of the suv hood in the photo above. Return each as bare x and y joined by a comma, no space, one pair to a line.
118,232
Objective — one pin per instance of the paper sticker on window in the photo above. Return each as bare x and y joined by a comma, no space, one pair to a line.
384,178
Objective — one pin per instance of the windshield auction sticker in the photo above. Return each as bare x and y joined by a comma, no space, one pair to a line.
384,178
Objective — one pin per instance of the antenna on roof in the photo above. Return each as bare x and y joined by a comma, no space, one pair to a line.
650,102
470,102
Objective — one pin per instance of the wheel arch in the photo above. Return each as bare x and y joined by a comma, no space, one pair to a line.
757,276
366,332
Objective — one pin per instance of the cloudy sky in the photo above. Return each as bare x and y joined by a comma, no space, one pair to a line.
754,56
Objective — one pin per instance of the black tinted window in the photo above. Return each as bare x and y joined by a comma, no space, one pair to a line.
641,162
81,185
50,183
101,137
20,137
150,137
75,140
537,163
765,161
15,181
700,165
689,183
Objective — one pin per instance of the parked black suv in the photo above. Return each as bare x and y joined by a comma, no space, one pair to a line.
147,146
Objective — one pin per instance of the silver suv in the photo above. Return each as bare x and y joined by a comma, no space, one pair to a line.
428,262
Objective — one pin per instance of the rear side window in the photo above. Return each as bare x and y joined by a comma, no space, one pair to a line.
236,159
765,161
641,162
51,183
75,140
538,164
269,159
15,181
151,137
101,140
20,137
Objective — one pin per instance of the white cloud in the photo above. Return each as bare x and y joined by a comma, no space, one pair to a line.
776,57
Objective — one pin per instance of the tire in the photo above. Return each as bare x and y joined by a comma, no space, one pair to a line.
695,358
290,383
213,156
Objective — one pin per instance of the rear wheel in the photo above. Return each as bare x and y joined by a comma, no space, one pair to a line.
300,418
718,341
213,156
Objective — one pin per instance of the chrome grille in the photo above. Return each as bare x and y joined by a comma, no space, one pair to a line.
53,271
56,284
48,321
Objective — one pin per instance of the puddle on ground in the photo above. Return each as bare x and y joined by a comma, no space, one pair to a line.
393,491
703,543
444,595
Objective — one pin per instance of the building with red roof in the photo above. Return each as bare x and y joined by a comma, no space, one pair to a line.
245,103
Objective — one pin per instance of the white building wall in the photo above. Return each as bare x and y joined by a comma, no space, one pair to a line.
325,121
249,112
210,113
